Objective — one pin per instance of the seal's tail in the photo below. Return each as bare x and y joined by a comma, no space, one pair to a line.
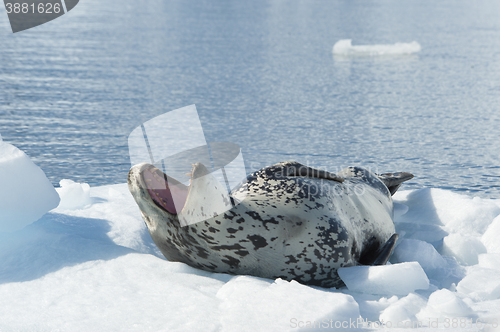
394,180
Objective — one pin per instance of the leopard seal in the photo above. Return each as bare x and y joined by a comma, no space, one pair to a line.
294,222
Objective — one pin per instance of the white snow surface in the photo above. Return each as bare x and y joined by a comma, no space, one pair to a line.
344,47
25,192
95,268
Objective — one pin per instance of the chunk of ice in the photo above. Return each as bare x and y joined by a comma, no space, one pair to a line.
345,47
481,284
444,303
490,238
25,192
396,279
410,250
73,195
489,261
463,247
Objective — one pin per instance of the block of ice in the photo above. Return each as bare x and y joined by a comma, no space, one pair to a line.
424,232
25,192
410,250
489,261
441,271
463,247
396,279
444,303
490,238
73,195
345,47
481,284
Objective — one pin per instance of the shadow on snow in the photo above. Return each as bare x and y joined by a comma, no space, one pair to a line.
53,242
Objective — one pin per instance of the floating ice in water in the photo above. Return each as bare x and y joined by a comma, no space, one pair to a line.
102,253
344,47
396,279
25,192
73,195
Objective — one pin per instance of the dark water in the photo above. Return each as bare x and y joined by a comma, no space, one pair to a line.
262,75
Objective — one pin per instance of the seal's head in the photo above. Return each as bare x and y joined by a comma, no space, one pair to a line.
167,206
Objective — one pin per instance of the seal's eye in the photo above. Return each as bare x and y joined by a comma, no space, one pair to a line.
166,192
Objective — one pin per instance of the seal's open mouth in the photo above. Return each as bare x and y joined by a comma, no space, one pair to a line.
205,197
167,193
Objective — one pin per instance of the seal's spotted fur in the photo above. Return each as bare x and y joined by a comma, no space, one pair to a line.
295,222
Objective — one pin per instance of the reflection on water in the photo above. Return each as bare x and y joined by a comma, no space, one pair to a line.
262,76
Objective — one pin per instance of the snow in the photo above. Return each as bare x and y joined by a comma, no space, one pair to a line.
90,264
491,261
404,309
490,237
25,192
344,47
265,305
73,195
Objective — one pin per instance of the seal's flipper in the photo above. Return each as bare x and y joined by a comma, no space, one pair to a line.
375,255
394,180
385,252
293,168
